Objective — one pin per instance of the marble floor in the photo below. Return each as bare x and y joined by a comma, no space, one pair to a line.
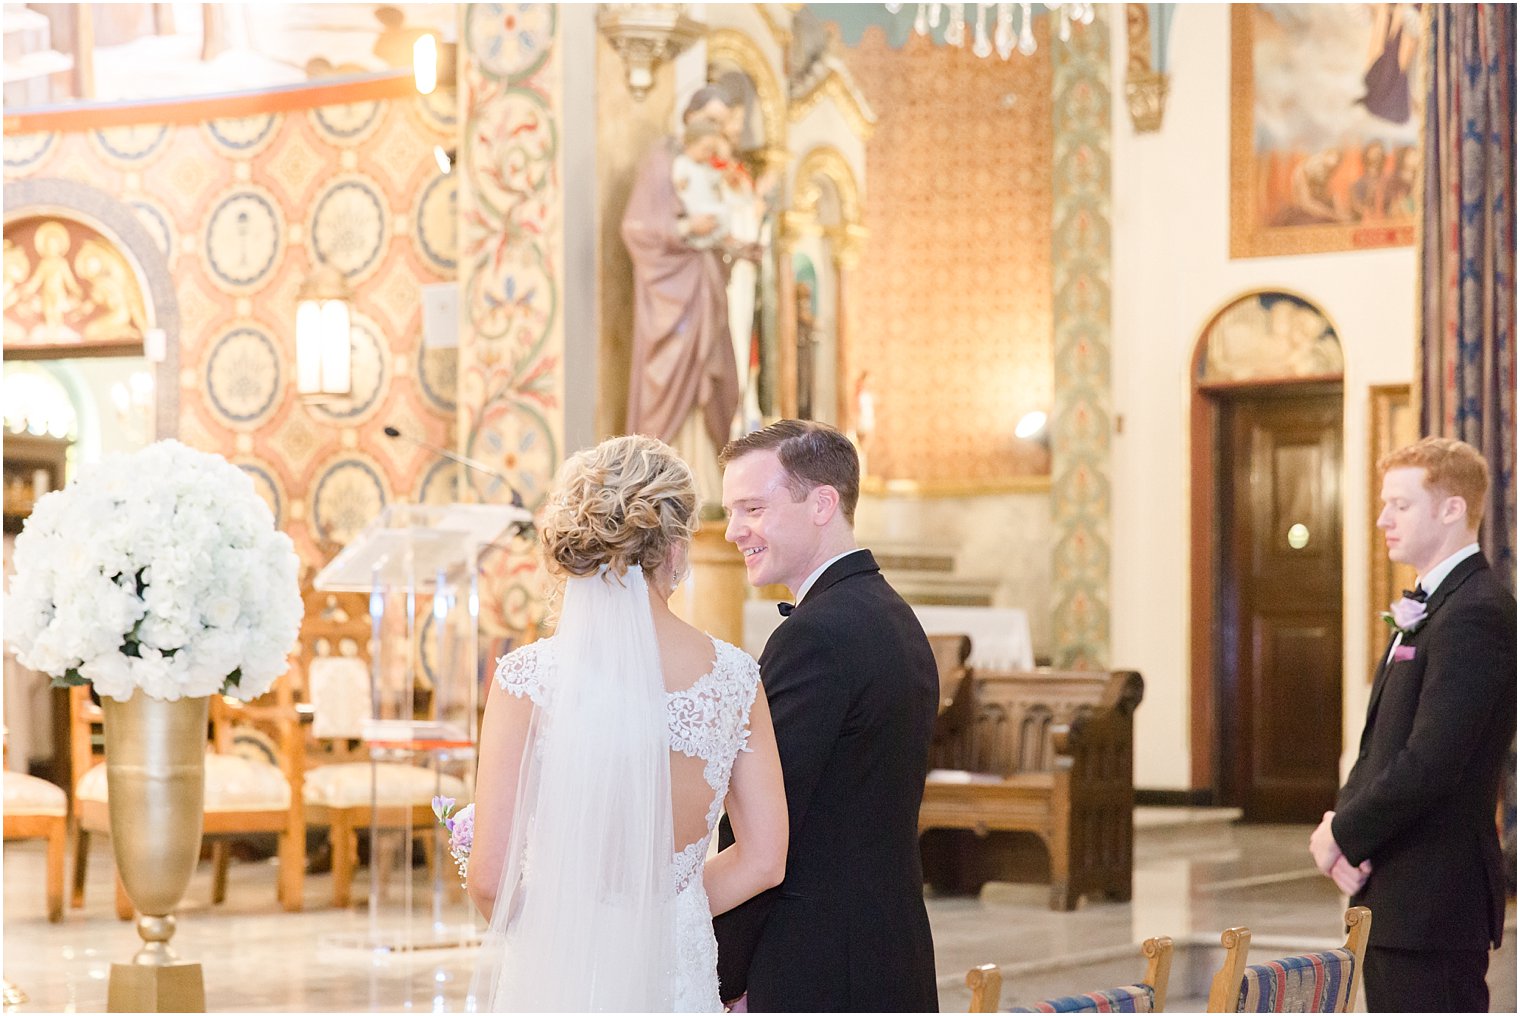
1195,875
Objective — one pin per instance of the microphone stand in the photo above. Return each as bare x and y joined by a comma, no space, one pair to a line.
521,528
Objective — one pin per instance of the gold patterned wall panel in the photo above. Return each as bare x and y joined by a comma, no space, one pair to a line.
950,308
241,206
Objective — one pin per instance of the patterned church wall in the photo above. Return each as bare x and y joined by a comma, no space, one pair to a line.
241,207
1081,423
950,307
511,369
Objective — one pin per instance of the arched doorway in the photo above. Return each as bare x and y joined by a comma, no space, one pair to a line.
1267,575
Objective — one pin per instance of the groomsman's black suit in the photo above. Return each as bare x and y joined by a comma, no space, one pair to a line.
853,689
1420,801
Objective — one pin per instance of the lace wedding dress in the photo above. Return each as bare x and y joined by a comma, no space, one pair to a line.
708,721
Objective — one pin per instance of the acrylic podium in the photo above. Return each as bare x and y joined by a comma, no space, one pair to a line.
419,565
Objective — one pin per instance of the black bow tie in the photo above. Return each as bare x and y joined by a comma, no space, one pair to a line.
1418,594
785,609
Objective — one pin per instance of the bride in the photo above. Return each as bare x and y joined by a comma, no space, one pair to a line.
605,765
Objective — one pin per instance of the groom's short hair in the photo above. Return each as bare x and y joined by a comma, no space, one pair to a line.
1452,469
813,454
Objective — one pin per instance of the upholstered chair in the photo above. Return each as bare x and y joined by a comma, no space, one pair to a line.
37,809
1324,981
1145,995
342,789
246,792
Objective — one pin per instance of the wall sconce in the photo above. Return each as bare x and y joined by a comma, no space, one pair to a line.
645,35
324,348
433,63
1034,427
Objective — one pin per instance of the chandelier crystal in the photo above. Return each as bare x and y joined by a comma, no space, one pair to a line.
1001,39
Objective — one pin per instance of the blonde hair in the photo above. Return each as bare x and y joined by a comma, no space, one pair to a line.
625,502
1452,468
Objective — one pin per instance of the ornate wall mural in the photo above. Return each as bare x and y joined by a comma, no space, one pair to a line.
238,206
65,285
1324,144
511,384
1270,335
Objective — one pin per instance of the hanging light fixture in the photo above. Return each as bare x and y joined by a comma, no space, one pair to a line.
645,36
1001,39
324,348
433,63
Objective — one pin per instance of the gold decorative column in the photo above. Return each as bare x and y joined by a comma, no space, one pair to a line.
155,778
845,241
712,599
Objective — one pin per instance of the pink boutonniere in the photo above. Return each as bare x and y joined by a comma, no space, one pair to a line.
1405,615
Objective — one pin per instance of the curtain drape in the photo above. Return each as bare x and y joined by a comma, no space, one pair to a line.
1466,363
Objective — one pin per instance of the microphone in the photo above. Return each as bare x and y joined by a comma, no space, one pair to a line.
481,467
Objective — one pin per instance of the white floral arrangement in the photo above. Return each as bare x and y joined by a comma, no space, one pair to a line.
158,570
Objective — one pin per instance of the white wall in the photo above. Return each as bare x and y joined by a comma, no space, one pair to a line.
1171,272
994,536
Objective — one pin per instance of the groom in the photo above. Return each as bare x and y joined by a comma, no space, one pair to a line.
852,688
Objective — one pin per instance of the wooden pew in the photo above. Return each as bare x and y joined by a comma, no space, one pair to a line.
1045,788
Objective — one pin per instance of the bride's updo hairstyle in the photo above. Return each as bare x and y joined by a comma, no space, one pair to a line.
625,502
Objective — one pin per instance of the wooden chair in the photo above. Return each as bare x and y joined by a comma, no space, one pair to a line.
1309,982
957,705
1146,995
36,809
338,783
245,794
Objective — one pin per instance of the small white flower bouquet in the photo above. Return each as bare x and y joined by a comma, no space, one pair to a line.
461,828
159,570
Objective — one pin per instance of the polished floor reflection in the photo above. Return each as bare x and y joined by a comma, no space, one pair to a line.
1194,876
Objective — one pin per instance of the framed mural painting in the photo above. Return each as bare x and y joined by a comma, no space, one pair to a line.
1391,423
1324,129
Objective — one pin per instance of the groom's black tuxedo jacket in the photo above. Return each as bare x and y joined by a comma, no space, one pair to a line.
1421,799
852,688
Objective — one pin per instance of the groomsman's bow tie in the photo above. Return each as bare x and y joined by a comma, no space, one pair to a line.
1418,594
785,609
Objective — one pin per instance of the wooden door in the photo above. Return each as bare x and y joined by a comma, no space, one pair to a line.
1279,607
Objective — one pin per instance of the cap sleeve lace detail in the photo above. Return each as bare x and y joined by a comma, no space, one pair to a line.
525,671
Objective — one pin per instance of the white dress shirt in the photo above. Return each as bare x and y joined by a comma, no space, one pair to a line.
1428,582
1437,575
821,569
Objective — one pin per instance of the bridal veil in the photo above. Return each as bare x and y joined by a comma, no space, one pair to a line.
585,915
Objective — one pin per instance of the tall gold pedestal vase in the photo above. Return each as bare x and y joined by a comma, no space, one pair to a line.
156,780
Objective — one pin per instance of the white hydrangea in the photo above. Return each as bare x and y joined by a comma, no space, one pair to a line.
160,570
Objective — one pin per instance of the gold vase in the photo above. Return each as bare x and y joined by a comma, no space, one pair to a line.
156,782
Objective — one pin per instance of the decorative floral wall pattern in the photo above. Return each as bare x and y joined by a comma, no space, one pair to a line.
950,307
511,383
1082,421
242,207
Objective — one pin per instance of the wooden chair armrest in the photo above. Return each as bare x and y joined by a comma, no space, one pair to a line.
1224,989
986,984
1158,967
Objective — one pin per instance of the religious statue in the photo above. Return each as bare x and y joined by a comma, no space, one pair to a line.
684,385
52,284
807,349
114,297
749,230
17,268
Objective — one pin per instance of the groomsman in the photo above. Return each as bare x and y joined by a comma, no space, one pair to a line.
1413,835
853,690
